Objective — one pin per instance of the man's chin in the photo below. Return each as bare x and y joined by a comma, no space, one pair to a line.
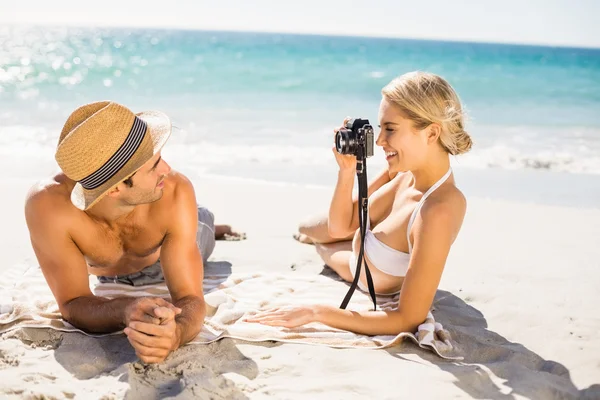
159,195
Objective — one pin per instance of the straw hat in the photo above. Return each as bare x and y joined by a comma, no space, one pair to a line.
104,143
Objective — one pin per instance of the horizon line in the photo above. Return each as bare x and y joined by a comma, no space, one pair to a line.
299,33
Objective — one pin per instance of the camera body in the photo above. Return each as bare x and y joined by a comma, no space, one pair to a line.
356,138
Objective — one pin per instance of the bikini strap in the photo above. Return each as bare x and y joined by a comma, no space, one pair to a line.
420,204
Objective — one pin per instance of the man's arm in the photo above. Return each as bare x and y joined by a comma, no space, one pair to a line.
182,263
65,269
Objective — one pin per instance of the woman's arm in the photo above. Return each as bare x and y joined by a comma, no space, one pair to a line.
343,211
433,235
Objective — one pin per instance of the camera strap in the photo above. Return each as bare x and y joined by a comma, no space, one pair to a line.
363,215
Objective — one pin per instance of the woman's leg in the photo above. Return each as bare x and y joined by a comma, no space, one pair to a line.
314,230
337,257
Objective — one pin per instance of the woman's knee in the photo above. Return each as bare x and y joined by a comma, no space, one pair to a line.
316,228
312,224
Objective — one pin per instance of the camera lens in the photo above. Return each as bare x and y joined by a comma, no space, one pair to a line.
345,141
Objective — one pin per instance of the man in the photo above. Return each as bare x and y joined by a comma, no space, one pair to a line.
118,211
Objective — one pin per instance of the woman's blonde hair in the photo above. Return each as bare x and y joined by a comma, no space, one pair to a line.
427,98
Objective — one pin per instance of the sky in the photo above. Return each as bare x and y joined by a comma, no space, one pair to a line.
546,22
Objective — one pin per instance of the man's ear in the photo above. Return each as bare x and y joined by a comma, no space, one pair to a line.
114,192
433,133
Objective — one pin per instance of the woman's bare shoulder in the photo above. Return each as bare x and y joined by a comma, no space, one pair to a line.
448,203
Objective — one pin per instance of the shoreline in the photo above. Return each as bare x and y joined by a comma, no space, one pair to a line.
543,187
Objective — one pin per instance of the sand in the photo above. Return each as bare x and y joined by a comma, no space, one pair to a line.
519,292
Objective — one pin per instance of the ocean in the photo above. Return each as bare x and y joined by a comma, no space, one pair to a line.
262,106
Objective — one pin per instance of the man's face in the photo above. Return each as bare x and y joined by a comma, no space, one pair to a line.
147,182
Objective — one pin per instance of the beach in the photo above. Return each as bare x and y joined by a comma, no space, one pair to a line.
252,123
523,297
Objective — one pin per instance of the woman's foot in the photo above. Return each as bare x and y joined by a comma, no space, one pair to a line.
302,238
225,232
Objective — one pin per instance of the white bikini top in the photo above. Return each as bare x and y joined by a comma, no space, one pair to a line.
389,260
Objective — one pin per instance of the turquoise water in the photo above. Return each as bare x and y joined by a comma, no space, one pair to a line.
244,102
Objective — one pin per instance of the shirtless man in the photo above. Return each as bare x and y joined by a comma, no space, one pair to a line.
118,211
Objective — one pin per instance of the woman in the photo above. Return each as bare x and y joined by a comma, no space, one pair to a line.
415,211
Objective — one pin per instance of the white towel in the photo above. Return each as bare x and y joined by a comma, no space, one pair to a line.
29,303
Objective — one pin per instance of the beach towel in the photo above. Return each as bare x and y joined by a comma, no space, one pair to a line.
27,302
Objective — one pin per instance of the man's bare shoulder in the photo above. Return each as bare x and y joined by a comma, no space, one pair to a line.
177,204
49,201
178,186
178,196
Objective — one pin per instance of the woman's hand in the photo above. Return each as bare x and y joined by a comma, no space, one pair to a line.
345,161
288,317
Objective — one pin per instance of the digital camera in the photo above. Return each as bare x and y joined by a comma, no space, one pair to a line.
357,135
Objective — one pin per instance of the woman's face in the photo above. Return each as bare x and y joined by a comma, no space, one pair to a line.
405,147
